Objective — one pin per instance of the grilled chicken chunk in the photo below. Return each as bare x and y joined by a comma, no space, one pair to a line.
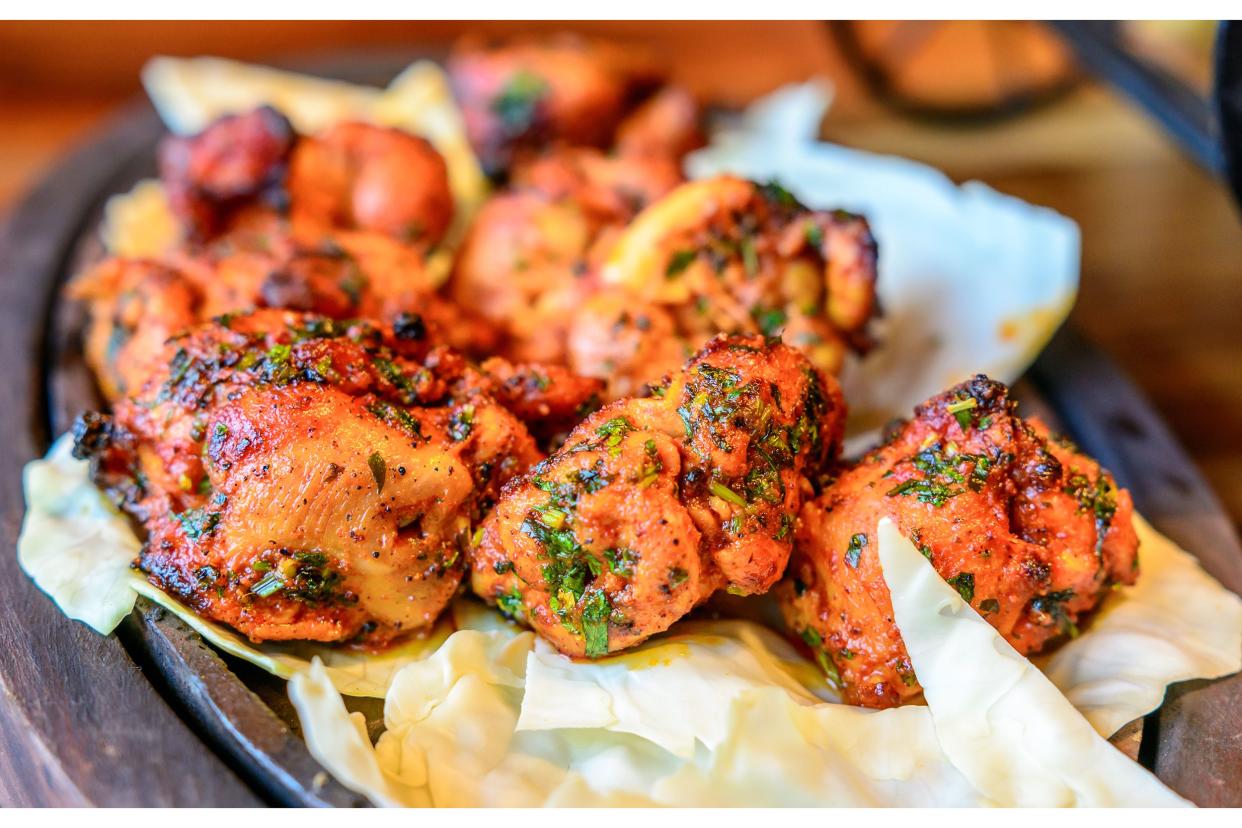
353,176
652,505
1030,531
300,478
528,261
724,255
522,96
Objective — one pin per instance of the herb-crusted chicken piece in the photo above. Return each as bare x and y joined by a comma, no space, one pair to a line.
1030,532
725,255
133,305
652,505
300,478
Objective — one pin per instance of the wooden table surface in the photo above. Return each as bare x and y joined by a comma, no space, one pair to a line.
1162,243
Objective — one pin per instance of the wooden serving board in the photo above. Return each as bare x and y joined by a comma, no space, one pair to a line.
154,716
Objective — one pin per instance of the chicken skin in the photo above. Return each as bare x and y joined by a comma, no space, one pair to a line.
1030,532
724,255
519,97
652,505
300,478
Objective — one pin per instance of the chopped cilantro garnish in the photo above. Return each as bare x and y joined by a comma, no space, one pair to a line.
510,604
723,492
518,103
814,235
198,522
678,262
964,583
461,423
961,409
614,432
769,320
854,551
621,560
269,584
379,470
595,612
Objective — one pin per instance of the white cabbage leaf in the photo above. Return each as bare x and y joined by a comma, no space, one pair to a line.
78,549
1001,722
988,301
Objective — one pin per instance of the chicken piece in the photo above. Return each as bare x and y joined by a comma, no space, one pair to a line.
727,255
665,125
305,479
134,305
530,94
527,261
252,169
238,159
519,268
652,505
1028,530
610,189
547,398
358,176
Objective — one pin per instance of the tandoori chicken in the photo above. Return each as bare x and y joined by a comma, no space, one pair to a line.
303,478
652,505
1031,533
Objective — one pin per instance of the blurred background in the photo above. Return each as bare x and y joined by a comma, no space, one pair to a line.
1005,103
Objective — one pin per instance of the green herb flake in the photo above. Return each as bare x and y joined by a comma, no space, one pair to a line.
621,560
198,522
989,605
379,470
964,583
723,492
854,551
678,263
814,235
595,612
268,585
750,259
518,102
461,423
770,320
510,604
960,409
614,432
